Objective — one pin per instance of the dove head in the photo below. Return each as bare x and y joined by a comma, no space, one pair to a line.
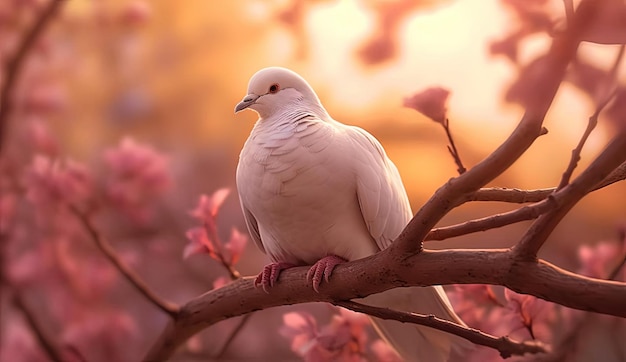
275,90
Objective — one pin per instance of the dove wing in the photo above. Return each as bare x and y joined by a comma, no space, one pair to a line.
253,227
382,198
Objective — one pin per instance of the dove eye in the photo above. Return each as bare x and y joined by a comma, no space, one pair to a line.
274,88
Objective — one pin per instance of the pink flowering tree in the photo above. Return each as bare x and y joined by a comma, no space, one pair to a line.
88,270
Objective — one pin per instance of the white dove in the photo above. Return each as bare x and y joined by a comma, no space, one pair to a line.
316,191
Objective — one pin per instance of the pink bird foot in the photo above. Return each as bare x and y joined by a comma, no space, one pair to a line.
323,269
268,277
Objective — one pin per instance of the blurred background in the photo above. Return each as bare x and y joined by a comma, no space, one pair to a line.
168,74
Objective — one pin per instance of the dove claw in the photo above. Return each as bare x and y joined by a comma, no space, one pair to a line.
322,270
268,277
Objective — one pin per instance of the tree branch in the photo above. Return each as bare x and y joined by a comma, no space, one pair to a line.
505,345
490,222
612,157
168,307
507,218
381,272
516,196
14,65
458,190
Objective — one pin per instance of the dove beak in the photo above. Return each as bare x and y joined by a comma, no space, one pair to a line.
246,102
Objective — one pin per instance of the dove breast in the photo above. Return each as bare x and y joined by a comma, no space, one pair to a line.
297,180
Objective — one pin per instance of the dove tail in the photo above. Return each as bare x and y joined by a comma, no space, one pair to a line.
413,342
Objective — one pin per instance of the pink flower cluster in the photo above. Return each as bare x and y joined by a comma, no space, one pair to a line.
136,175
500,311
205,238
50,182
345,338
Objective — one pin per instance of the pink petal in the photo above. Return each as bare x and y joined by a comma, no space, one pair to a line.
430,102
383,352
220,282
208,206
235,245
199,242
217,199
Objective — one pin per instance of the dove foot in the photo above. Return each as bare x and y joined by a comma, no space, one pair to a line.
323,269
268,277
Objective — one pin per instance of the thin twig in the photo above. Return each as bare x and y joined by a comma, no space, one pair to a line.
452,148
15,64
218,252
593,121
234,275
49,346
168,307
232,336
505,345
591,125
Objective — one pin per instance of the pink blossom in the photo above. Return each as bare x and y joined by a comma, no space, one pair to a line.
599,260
199,243
343,339
383,352
430,102
18,341
136,12
194,344
208,206
50,182
46,98
301,329
8,205
205,239
137,174
90,278
235,246
105,333
527,313
220,282
41,138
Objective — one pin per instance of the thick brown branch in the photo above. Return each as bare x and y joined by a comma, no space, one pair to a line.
130,275
612,157
386,270
14,65
505,345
